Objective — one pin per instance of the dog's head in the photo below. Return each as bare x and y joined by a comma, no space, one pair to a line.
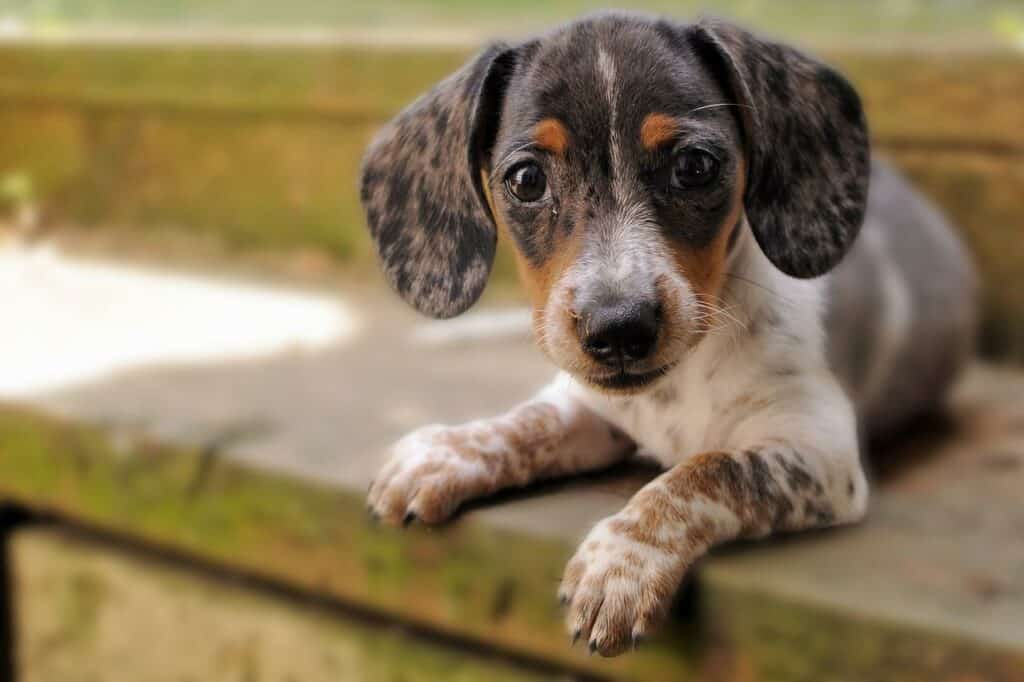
621,155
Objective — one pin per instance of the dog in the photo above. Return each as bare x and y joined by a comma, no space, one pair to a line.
691,217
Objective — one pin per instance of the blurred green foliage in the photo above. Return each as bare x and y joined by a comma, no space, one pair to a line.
16,187
820,17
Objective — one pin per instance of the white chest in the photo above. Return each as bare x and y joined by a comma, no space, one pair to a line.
774,344
673,420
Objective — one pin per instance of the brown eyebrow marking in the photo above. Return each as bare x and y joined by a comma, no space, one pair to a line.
551,135
656,130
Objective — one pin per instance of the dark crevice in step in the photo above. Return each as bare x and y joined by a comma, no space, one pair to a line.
279,589
11,518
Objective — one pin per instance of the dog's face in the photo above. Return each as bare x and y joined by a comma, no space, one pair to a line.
618,175
621,156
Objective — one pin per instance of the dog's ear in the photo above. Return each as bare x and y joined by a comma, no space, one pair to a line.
807,147
422,189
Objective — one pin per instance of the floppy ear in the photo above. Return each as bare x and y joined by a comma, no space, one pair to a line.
423,194
807,147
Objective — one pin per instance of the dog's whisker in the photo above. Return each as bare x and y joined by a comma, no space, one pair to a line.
714,310
754,283
719,105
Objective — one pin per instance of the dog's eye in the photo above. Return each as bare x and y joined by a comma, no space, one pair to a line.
526,182
694,168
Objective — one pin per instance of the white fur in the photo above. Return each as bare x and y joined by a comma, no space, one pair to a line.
783,370
610,80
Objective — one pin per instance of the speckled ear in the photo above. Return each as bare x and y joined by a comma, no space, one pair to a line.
422,190
807,147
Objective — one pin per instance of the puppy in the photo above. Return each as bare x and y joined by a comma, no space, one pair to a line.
685,202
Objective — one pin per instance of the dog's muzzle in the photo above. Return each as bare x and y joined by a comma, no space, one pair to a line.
619,334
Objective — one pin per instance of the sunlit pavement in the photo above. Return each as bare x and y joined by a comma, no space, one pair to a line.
65,322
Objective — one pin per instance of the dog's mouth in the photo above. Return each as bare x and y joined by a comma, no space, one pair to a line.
628,381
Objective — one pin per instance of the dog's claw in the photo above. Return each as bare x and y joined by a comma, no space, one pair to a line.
574,637
592,647
637,641
408,518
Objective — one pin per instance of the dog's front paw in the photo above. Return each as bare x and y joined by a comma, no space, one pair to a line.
429,473
617,587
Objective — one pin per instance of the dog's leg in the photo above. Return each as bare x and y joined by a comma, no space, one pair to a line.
435,469
624,575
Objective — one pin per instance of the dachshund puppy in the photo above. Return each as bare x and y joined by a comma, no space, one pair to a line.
685,202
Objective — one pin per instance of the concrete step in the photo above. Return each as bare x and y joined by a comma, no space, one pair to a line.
259,467
76,599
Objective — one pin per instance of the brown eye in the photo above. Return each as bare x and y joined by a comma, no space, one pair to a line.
694,168
526,182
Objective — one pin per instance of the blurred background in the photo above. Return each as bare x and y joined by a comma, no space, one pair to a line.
200,365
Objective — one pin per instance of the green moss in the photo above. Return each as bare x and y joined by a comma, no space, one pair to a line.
259,147
79,601
476,581
977,20
76,600
480,583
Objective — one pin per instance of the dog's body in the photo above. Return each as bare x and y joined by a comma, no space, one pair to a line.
674,224
901,308
894,324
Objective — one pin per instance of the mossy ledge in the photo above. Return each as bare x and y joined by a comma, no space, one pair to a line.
491,587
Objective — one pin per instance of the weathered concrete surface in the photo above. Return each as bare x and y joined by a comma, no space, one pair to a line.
91,613
328,416
939,565
68,320
942,552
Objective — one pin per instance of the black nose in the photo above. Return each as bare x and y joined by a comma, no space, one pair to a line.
620,333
